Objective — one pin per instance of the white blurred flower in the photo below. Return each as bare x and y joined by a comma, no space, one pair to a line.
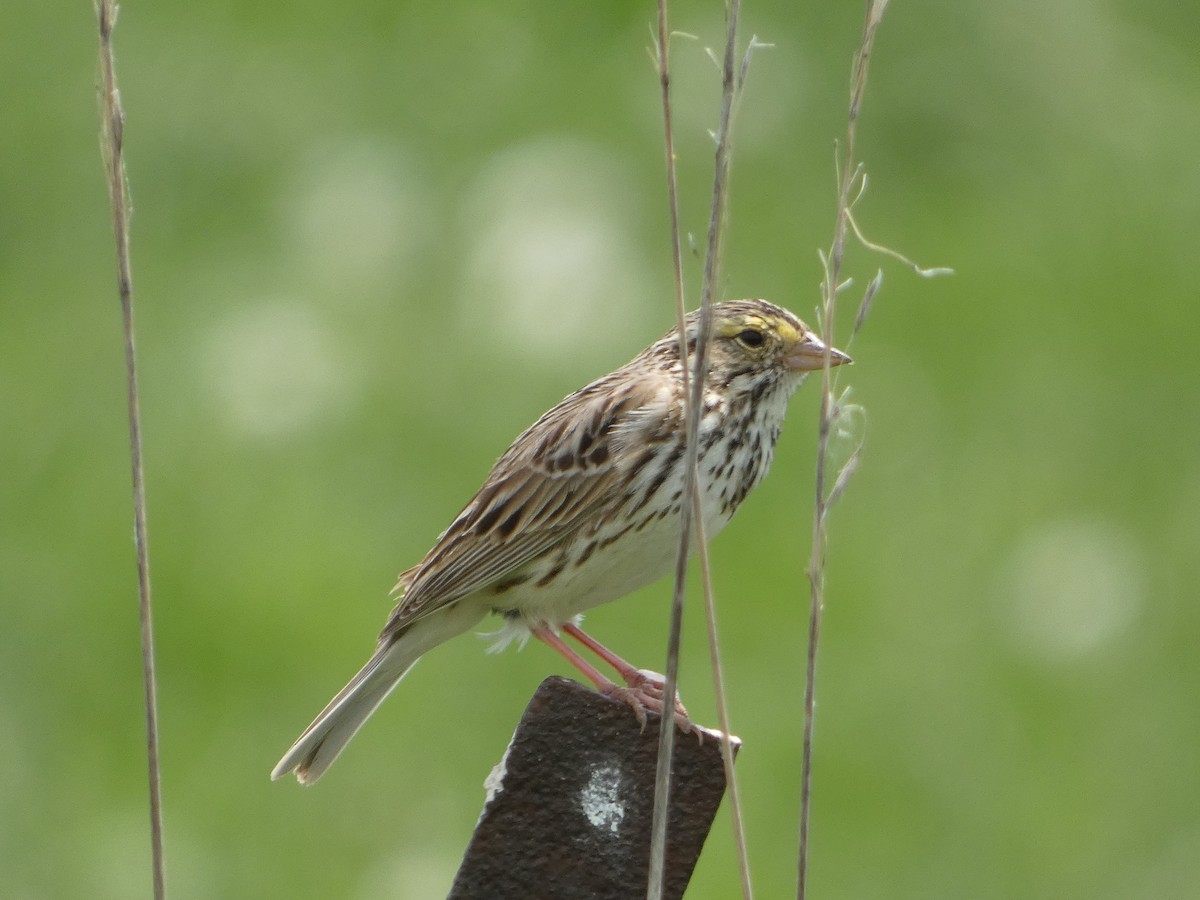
551,266
274,369
1071,587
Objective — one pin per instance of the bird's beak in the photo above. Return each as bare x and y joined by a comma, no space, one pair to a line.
809,354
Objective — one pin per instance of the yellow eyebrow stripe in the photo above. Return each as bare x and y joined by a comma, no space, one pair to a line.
784,329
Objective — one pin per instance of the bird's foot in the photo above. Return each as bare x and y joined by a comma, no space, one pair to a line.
654,685
645,692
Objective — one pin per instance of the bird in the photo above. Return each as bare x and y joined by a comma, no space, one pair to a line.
583,508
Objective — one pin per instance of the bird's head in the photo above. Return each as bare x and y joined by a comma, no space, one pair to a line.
760,335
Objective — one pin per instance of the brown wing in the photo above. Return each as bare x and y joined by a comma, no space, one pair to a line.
557,477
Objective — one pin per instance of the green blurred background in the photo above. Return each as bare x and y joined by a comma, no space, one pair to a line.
374,240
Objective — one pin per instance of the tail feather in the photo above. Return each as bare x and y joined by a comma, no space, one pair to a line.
323,741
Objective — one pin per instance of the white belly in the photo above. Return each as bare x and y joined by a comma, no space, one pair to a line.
563,584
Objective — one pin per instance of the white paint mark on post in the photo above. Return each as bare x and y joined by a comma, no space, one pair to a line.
494,783
601,799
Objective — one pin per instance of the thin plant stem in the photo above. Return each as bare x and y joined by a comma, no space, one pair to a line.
714,649
112,125
663,61
662,784
694,397
733,88
816,566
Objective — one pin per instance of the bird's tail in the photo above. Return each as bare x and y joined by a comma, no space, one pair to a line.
322,741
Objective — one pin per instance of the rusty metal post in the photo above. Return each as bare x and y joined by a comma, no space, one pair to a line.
569,806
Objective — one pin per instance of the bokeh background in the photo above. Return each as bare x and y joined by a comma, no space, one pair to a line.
373,240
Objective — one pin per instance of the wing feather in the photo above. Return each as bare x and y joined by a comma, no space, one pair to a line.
559,475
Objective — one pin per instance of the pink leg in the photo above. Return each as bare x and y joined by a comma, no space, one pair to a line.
645,687
552,640
624,669
637,699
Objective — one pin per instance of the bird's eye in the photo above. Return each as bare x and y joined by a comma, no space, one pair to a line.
751,338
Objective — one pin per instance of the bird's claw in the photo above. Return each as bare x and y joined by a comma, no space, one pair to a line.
655,685
645,691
